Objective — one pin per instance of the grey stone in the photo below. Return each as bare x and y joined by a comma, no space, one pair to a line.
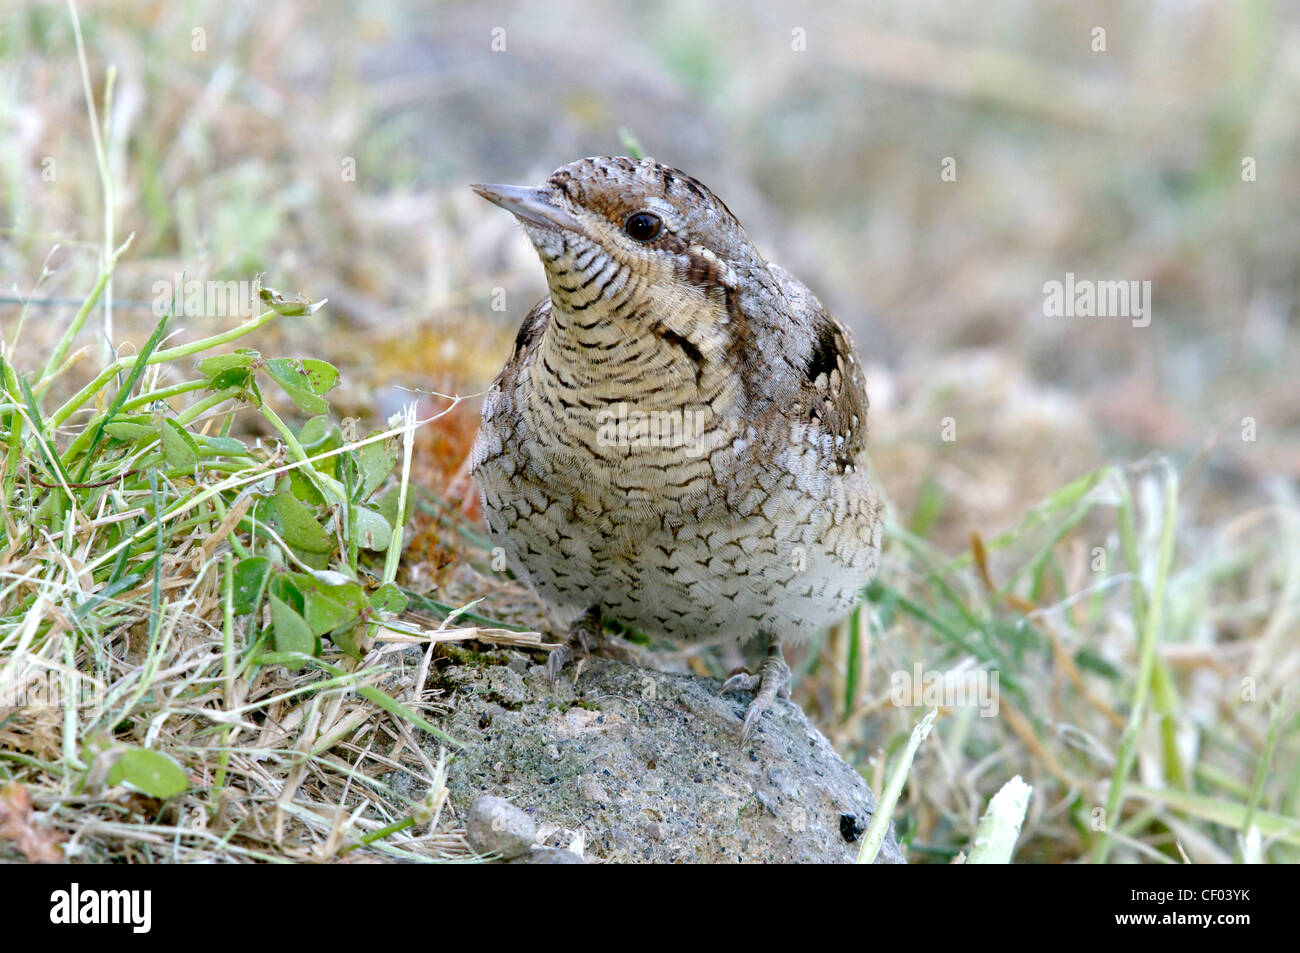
593,791
495,826
647,766
548,855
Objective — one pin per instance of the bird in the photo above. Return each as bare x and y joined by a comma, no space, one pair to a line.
678,441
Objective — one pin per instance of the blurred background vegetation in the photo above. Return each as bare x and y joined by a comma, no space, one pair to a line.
328,145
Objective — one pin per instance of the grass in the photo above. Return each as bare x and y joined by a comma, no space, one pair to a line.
223,610
196,628
1109,674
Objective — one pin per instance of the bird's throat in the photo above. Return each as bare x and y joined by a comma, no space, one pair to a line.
635,381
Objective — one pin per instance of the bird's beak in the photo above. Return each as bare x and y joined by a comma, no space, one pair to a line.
529,205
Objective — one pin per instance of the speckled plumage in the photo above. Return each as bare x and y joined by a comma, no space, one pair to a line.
740,503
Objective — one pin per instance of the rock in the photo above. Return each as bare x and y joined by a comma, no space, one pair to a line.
495,826
548,855
591,789
647,767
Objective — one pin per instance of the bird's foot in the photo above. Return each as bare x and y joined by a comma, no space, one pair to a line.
587,637
772,680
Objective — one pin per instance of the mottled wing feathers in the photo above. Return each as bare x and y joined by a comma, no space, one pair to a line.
837,393
831,389
496,433
530,333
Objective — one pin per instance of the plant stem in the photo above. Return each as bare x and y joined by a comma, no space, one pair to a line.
65,343
875,835
105,178
157,357
327,485
1150,636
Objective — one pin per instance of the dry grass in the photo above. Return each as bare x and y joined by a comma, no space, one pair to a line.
202,729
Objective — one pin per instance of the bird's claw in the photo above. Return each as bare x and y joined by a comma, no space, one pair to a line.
556,661
587,637
772,680
584,635
741,681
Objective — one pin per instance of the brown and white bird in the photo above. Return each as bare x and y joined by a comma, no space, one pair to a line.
679,440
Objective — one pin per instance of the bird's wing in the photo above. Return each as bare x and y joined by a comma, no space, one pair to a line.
500,416
836,391
530,333
832,387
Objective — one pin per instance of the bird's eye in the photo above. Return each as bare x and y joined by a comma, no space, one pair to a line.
643,226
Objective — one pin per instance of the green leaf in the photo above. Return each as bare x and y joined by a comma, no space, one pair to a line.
304,381
387,506
345,638
1062,498
296,522
107,593
284,586
999,828
129,431
179,447
235,377
444,611
292,634
241,359
373,531
250,581
150,772
220,446
331,599
293,381
391,705
331,607
303,489
282,305
389,598
252,393
320,435
1221,811
322,376
314,432
132,378
376,461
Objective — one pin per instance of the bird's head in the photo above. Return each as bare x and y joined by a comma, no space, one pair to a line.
615,233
